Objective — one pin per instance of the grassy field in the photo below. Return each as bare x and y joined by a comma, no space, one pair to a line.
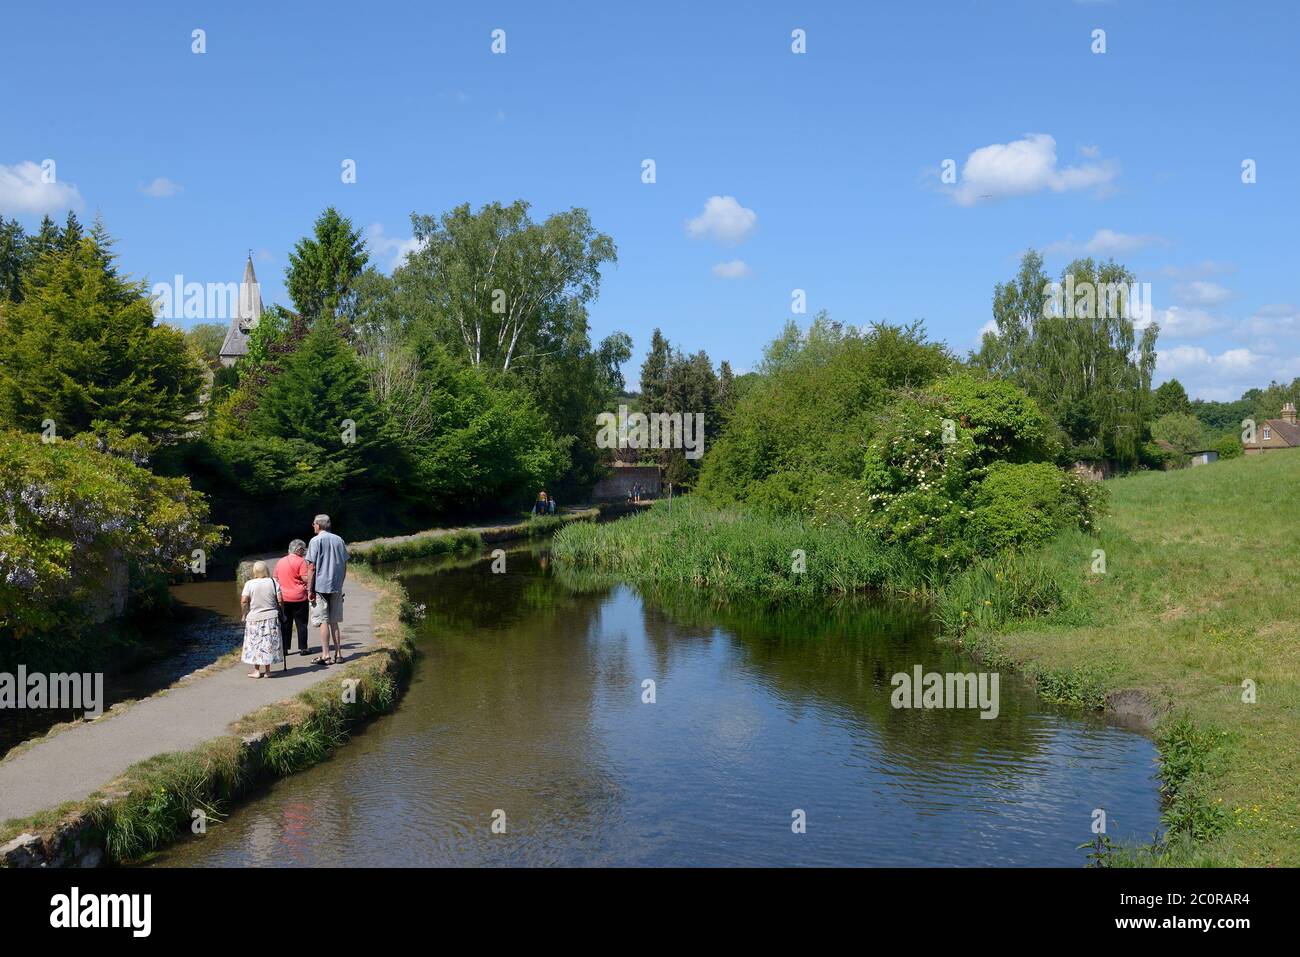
1193,601
1200,565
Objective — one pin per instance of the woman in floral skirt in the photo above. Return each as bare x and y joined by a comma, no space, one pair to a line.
261,607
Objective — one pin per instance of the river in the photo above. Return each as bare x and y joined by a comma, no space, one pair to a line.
528,708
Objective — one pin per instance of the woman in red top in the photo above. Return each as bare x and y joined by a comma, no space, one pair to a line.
291,573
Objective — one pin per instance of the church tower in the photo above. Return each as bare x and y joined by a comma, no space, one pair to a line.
248,310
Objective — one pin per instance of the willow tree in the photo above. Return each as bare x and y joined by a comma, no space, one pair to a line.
1082,348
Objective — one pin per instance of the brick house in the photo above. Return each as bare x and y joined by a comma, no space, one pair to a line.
1273,434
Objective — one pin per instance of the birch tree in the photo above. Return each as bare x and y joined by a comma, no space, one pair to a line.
500,288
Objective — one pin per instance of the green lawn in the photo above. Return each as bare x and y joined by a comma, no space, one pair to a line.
1199,594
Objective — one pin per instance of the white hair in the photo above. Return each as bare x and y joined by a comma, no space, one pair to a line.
323,521
260,570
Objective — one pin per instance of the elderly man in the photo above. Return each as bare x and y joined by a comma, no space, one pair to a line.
327,566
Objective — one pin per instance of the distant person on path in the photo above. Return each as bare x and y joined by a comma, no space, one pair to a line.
260,604
550,506
291,576
327,566
539,507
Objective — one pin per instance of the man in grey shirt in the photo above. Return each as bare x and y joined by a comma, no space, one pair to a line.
327,566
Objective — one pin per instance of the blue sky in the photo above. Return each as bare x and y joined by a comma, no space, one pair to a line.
823,168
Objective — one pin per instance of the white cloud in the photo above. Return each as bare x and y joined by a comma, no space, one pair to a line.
1105,242
1180,323
1224,376
723,219
1198,292
735,269
22,191
391,246
1272,322
1207,267
1025,166
161,188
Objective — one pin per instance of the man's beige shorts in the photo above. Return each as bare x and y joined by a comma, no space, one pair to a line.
328,608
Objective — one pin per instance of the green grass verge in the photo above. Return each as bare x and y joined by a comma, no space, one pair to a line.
1191,609
450,541
154,801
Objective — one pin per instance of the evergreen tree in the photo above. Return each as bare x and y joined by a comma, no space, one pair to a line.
72,234
82,348
13,260
654,373
322,396
45,239
1170,398
726,390
323,269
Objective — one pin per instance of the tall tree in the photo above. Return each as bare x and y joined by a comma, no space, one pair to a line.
82,348
322,396
726,390
14,256
500,288
654,372
1170,397
1079,353
324,267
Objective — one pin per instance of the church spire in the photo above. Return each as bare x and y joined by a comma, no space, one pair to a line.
250,297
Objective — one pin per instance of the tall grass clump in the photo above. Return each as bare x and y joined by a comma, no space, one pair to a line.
726,551
426,545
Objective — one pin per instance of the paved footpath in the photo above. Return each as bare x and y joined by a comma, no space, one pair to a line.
78,761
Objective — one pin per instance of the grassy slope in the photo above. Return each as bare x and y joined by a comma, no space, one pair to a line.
1202,567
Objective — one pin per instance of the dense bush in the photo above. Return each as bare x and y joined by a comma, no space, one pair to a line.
801,426
934,451
1229,447
1025,504
87,527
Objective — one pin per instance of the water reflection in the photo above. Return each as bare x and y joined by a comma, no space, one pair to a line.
528,700
201,626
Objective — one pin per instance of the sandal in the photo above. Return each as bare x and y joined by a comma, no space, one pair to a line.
320,660
254,674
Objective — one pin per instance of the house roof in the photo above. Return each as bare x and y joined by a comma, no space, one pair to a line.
1284,430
